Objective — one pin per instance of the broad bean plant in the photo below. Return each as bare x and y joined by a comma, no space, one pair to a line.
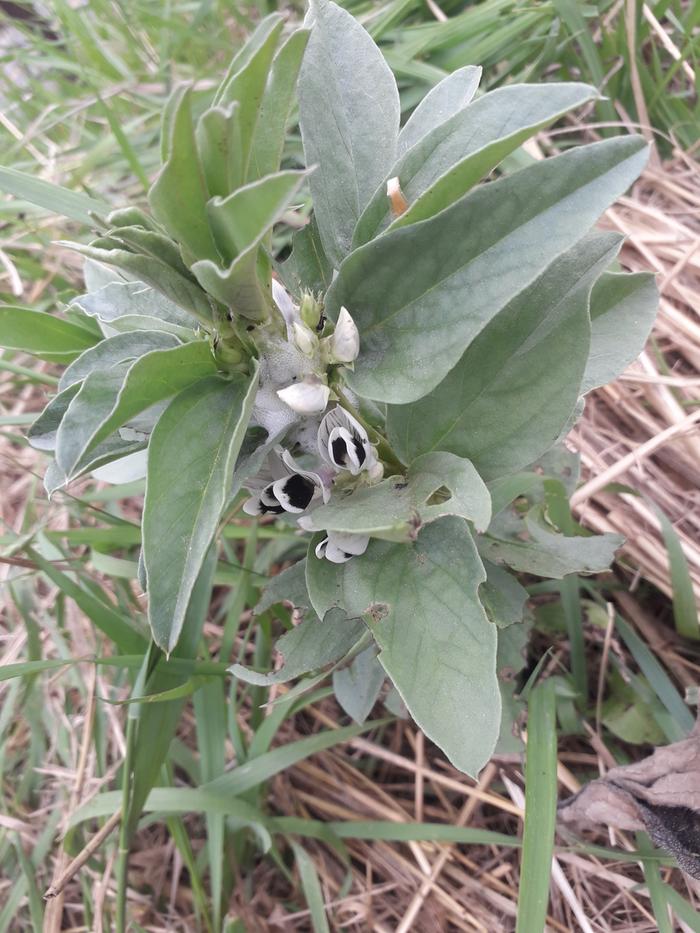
396,390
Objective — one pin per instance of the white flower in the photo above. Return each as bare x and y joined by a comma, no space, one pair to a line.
340,546
345,341
308,397
283,486
285,305
304,338
344,444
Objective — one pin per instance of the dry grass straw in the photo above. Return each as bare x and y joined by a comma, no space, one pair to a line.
643,430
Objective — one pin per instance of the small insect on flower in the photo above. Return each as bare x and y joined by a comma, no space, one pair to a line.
283,486
307,398
344,444
341,546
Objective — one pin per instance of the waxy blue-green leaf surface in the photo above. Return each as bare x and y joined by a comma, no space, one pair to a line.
623,308
349,116
117,300
179,195
530,544
110,398
113,350
443,101
357,686
240,222
397,507
421,603
312,644
509,396
191,456
457,154
420,294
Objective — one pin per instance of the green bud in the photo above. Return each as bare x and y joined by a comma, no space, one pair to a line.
310,311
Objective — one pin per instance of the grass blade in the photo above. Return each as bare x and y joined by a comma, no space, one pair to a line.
312,888
540,810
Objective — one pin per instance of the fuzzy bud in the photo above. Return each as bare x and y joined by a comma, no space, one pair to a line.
304,338
345,342
310,311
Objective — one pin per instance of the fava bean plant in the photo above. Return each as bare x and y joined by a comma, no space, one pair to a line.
396,390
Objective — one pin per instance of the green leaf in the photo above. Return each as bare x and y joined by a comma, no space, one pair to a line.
308,268
268,141
218,136
131,299
42,433
247,84
623,309
437,645
510,660
54,198
308,647
268,26
530,544
357,686
113,350
398,507
509,396
179,194
287,586
175,286
540,809
349,115
458,153
190,463
443,101
110,398
240,222
502,596
443,280
44,335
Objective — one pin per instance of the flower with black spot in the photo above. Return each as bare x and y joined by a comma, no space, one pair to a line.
283,486
343,442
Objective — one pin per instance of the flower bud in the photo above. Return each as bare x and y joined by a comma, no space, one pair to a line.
306,397
304,338
310,311
345,342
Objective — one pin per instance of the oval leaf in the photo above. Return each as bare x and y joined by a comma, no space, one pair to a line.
190,463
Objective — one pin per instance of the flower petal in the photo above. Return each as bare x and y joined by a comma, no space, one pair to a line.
306,397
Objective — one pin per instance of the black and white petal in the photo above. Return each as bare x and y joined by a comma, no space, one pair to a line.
340,546
283,486
343,442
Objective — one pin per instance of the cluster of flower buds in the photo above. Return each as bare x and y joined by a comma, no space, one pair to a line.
295,399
